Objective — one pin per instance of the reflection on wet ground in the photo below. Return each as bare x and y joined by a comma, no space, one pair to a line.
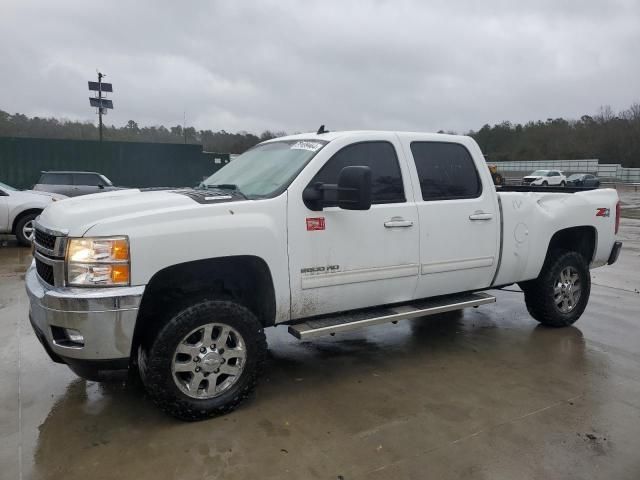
481,394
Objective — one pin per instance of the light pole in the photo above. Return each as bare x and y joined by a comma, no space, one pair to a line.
99,102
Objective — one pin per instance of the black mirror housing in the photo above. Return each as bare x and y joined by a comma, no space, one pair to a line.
354,188
353,191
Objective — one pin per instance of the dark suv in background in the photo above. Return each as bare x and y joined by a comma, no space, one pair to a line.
73,184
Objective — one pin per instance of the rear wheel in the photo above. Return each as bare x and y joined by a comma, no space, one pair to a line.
25,229
205,361
559,296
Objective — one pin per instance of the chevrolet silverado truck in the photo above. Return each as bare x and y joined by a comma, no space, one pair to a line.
325,233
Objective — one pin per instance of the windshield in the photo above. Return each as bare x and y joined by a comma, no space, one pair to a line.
575,176
265,170
105,181
540,173
4,186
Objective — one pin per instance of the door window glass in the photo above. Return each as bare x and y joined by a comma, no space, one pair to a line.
380,157
56,179
446,171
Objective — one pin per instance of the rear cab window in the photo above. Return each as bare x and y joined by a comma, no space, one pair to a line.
380,157
446,171
56,179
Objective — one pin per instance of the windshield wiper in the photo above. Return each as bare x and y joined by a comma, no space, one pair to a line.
232,187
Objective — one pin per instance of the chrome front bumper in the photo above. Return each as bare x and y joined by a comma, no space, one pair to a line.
105,317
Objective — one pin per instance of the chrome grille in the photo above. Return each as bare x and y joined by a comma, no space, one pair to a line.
45,271
44,239
49,254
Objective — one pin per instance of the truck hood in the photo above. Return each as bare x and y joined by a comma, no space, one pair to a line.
74,216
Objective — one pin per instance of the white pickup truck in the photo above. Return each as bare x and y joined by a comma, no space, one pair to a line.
323,232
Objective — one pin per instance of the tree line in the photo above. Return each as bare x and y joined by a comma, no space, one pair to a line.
609,136
19,125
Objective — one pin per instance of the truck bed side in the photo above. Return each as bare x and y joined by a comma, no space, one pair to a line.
529,220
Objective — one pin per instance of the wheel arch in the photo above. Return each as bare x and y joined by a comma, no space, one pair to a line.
22,214
244,278
582,239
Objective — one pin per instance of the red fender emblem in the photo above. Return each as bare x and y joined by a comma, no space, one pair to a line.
316,223
603,212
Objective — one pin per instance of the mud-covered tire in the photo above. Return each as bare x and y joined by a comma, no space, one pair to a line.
26,220
540,294
156,360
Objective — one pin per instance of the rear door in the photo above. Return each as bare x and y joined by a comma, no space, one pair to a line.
346,259
458,217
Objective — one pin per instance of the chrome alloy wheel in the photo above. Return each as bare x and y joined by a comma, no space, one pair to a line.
567,289
28,230
208,361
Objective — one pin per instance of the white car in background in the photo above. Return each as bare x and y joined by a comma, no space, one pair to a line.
19,208
545,178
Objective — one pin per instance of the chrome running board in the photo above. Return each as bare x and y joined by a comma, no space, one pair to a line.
346,321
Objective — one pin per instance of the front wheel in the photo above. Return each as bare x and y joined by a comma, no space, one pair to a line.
559,296
205,361
25,229
545,184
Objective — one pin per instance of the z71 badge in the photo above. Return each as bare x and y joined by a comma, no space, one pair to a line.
603,212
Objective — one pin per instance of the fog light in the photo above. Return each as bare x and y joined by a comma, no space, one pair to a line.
67,337
74,336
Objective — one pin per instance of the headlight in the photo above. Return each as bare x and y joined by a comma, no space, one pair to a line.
98,262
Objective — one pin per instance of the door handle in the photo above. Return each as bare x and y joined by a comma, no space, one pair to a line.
481,216
398,222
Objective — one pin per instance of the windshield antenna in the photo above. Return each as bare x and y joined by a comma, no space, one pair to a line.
321,130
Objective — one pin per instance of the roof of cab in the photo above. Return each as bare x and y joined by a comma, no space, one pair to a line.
69,171
331,135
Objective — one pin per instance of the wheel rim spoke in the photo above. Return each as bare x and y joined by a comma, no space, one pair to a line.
195,382
183,366
212,381
191,350
207,334
223,336
233,370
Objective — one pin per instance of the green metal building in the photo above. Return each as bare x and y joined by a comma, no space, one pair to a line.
127,164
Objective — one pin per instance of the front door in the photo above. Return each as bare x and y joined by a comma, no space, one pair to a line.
344,259
459,219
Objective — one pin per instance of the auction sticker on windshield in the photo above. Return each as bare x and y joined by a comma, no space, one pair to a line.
311,146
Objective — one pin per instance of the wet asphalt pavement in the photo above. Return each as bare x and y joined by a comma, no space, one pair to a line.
484,394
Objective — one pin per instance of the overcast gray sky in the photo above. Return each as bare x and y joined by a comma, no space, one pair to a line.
292,65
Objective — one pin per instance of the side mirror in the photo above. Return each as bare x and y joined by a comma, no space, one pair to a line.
353,191
354,188
101,186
